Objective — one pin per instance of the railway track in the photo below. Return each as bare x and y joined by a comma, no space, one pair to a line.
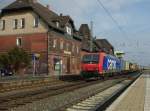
6,103
101,100
7,86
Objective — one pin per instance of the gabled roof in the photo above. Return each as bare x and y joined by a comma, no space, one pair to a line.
64,20
43,12
39,9
86,46
17,5
103,43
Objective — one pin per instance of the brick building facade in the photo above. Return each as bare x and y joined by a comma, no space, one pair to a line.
38,30
64,54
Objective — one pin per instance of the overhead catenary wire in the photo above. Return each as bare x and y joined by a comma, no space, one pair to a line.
117,24
113,19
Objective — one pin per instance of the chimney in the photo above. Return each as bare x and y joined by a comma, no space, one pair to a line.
48,6
61,14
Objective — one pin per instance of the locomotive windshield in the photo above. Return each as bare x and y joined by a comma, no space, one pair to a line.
91,58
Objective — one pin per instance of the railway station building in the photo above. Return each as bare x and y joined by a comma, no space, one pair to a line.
40,31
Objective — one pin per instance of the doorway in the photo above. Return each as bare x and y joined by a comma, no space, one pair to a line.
68,65
57,66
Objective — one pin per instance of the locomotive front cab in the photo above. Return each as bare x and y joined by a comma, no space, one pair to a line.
91,65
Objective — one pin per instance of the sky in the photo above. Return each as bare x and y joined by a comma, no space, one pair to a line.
131,15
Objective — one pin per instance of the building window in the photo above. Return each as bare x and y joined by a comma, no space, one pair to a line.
54,43
61,45
19,42
77,50
22,23
57,24
2,24
67,47
73,46
15,23
36,21
68,29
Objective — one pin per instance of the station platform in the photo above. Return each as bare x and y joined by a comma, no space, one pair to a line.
135,98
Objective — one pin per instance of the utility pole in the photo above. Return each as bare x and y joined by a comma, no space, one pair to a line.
91,38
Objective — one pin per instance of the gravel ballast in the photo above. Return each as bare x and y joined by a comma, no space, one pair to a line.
55,102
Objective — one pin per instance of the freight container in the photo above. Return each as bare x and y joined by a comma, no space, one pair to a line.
111,64
126,66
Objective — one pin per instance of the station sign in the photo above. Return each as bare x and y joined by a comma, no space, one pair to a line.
67,52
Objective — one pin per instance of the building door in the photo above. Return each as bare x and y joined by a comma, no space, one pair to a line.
57,66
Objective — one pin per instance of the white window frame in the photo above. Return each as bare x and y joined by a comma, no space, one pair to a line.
15,23
54,43
69,31
21,23
67,46
2,24
57,24
77,50
36,22
61,44
19,41
73,47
